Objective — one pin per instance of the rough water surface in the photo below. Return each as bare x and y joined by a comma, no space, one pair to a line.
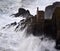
17,41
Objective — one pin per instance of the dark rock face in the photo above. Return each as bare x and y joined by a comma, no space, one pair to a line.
48,12
50,9
56,4
22,12
50,26
56,21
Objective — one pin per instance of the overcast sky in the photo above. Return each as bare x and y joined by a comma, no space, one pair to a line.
37,3
33,4
43,3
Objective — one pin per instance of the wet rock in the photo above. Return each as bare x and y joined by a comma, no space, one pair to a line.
22,12
9,25
56,21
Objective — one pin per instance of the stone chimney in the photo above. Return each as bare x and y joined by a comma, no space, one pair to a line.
37,13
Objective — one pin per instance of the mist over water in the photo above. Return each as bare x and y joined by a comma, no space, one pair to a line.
17,41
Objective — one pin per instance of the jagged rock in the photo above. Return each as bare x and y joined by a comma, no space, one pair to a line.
9,25
14,23
22,12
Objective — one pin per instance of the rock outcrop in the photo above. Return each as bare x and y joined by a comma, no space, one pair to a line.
50,9
56,22
22,12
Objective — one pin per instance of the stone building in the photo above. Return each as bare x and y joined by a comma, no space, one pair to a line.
38,23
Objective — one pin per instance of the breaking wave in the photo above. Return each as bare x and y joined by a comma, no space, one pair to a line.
17,41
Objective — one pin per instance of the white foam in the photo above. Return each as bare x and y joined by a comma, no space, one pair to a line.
17,41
